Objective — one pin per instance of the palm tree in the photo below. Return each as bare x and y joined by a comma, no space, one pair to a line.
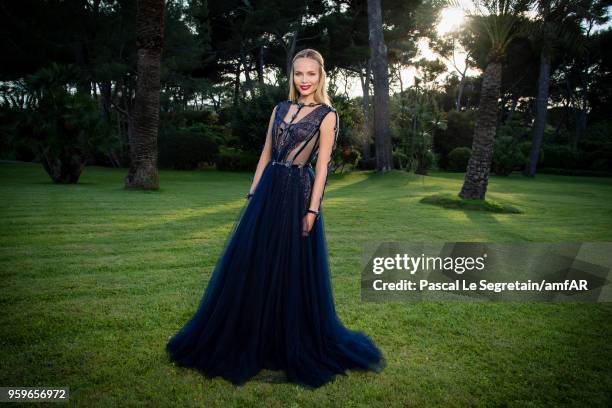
143,146
500,21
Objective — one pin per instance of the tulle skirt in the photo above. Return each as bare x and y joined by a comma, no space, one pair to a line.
269,303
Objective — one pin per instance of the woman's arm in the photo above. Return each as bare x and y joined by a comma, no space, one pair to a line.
266,154
327,141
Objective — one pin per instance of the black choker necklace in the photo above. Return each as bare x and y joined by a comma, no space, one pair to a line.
308,104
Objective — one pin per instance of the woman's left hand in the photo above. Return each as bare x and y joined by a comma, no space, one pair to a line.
307,223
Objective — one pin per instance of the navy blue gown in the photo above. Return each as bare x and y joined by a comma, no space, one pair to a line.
269,303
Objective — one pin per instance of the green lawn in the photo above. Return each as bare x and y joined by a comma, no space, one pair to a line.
95,279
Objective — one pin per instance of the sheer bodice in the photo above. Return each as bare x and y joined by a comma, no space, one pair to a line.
295,138
296,132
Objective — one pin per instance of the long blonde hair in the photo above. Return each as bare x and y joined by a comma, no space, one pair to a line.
320,94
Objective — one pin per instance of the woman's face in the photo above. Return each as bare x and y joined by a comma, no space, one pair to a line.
305,75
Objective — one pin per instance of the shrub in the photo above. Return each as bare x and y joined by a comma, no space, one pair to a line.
369,164
458,159
597,147
183,149
249,118
232,159
346,155
559,156
600,160
458,133
506,155
426,162
349,155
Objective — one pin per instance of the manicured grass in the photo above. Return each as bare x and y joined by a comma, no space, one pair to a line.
95,279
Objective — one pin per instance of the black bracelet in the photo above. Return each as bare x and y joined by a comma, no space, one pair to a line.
316,213
249,195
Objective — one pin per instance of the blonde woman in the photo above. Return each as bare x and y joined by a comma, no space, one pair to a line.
269,302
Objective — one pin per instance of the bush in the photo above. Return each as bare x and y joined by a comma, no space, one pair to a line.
597,147
599,161
231,159
560,156
249,118
426,162
369,164
349,155
183,149
346,155
507,155
458,159
458,133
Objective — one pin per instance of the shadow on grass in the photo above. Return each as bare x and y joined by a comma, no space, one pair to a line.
447,200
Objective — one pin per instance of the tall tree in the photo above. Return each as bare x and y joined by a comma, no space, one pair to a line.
347,43
591,14
549,33
541,105
500,21
143,173
384,159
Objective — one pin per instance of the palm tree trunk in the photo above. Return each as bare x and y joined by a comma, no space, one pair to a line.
143,147
540,119
477,175
378,51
